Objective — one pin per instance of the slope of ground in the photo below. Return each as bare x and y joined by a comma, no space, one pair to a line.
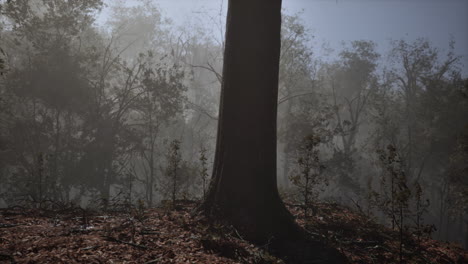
74,235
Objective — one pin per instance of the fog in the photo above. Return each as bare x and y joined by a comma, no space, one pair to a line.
331,22
116,103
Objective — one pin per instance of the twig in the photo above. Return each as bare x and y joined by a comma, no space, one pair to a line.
89,248
108,238
211,69
8,225
201,110
286,98
153,261
237,233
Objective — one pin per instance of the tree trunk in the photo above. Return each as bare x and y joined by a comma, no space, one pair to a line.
243,189
244,175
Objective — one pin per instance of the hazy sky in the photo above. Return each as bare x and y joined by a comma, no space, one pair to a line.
334,21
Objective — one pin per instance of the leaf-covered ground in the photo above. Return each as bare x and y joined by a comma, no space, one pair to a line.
159,235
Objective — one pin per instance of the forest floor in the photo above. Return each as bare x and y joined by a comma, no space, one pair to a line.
159,235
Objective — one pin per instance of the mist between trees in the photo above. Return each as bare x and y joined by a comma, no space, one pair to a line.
126,114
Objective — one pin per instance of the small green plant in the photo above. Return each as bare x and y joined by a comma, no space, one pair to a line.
308,176
174,160
139,213
420,208
203,170
395,198
40,179
369,198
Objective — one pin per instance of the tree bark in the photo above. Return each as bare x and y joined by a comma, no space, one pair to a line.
243,189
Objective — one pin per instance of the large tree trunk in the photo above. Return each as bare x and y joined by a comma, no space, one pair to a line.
243,188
